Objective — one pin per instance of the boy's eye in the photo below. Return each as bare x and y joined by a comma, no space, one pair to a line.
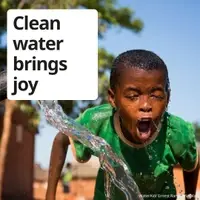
159,97
132,97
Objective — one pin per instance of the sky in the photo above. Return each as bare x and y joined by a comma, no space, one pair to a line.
171,30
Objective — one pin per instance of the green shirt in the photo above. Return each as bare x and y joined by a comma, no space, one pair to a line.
151,166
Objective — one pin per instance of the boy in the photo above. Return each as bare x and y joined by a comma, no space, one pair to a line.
137,126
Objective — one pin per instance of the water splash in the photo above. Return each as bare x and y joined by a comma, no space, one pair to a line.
115,166
108,186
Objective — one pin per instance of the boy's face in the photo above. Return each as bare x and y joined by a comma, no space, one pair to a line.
140,98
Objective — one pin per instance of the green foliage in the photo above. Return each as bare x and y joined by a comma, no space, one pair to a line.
31,113
109,16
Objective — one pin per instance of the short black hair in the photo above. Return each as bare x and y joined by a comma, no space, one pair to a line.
141,59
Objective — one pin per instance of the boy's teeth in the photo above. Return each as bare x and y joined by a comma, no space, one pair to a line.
145,119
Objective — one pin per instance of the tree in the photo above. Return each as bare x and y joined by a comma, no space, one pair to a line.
10,106
109,16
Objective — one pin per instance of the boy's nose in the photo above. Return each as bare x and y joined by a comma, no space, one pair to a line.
145,107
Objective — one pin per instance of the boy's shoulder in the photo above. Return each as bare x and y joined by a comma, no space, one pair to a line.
96,116
181,134
182,140
177,123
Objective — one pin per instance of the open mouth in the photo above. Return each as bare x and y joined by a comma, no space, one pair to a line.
144,128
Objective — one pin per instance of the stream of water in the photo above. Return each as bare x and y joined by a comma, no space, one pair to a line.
117,171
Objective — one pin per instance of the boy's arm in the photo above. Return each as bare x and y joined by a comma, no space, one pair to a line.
58,155
190,180
189,159
60,145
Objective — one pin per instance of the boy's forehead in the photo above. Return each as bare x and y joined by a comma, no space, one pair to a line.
134,75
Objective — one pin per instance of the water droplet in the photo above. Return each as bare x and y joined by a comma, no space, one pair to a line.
150,157
158,162
189,196
167,187
140,173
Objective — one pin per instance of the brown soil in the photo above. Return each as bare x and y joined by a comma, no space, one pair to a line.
83,189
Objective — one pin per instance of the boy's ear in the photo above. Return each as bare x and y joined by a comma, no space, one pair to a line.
111,98
168,96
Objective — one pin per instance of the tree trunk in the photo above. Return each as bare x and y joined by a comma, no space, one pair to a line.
7,125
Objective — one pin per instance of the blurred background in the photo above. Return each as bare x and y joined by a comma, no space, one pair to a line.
169,28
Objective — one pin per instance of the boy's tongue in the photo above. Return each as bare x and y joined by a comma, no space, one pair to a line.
144,129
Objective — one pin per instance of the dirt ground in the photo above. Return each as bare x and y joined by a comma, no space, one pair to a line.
83,189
